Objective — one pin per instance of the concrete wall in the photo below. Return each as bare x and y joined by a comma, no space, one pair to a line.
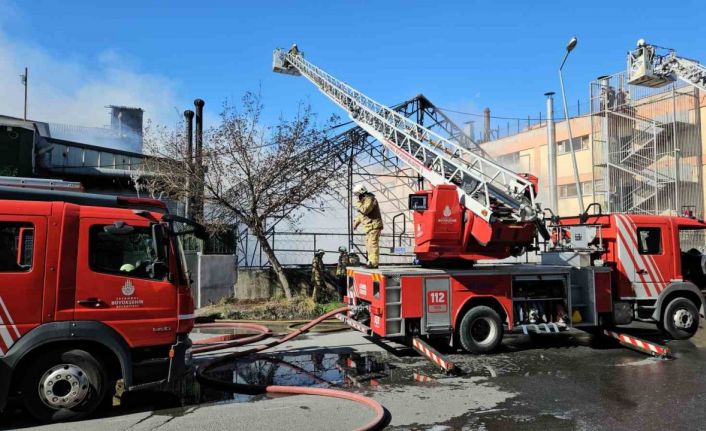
255,283
213,277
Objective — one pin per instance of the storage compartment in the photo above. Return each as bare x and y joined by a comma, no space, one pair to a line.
583,296
540,299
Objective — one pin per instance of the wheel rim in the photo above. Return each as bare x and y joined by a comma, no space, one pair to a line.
64,386
683,319
483,330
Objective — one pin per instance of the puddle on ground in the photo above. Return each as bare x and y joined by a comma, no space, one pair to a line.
320,369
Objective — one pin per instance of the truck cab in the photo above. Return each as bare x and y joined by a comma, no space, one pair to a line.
93,290
659,269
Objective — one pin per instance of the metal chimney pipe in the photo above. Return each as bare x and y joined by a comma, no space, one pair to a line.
189,158
198,159
486,125
199,104
551,154
189,119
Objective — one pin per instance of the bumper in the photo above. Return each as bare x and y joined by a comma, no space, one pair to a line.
180,360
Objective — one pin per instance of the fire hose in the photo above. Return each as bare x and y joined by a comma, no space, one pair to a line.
262,332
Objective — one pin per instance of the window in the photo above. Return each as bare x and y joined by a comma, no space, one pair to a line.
649,240
569,190
126,253
692,239
16,246
580,143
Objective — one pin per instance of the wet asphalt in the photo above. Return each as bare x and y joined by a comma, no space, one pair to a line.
571,381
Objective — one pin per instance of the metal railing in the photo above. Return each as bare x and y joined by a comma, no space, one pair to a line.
297,248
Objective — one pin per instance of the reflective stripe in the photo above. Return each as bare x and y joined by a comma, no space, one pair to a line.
629,233
4,335
626,258
9,318
652,268
630,241
648,261
187,316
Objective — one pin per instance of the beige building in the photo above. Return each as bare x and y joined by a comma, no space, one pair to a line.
642,155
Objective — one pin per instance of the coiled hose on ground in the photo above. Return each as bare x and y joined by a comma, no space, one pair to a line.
262,332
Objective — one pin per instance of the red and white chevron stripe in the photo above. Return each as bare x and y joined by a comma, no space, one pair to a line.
353,323
423,378
650,281
8,331
431,354
642,345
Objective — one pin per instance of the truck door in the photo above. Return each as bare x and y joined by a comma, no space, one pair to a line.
22,246
645,256
115,283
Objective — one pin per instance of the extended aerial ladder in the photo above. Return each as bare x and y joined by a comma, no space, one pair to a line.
496,197
648,68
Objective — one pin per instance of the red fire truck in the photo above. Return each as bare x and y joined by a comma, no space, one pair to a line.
602,270
93,290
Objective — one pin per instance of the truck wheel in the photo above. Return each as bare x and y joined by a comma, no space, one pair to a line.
481,330
64,385
680,319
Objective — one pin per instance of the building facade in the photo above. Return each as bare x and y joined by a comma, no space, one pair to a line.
638,150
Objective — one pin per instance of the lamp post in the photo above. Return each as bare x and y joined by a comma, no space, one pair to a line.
570,47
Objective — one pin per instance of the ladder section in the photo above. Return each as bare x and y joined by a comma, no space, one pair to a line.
484,187
690,71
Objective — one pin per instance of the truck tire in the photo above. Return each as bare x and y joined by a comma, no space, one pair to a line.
64,385
680,319
481,330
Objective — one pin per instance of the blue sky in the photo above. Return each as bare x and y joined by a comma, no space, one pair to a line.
463,55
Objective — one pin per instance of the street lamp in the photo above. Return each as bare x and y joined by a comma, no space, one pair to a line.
570,47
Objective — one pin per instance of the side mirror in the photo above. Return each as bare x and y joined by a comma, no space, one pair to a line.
159,269
159,235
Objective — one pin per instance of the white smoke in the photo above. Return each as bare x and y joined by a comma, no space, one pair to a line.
65,90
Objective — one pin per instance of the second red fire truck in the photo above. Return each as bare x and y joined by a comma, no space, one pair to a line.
602,271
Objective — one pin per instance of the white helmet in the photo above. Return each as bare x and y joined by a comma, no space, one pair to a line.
342,249
359,189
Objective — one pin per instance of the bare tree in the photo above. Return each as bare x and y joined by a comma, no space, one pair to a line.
255,175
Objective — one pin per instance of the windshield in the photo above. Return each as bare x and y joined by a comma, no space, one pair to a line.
692,239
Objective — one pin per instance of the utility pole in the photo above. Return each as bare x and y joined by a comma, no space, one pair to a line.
25,83
551,154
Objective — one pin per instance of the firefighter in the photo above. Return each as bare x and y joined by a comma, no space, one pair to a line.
341,274
317,274
369,216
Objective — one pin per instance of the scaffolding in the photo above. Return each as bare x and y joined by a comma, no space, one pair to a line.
646,147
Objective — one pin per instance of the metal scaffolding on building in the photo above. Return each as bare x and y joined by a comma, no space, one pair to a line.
646,147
